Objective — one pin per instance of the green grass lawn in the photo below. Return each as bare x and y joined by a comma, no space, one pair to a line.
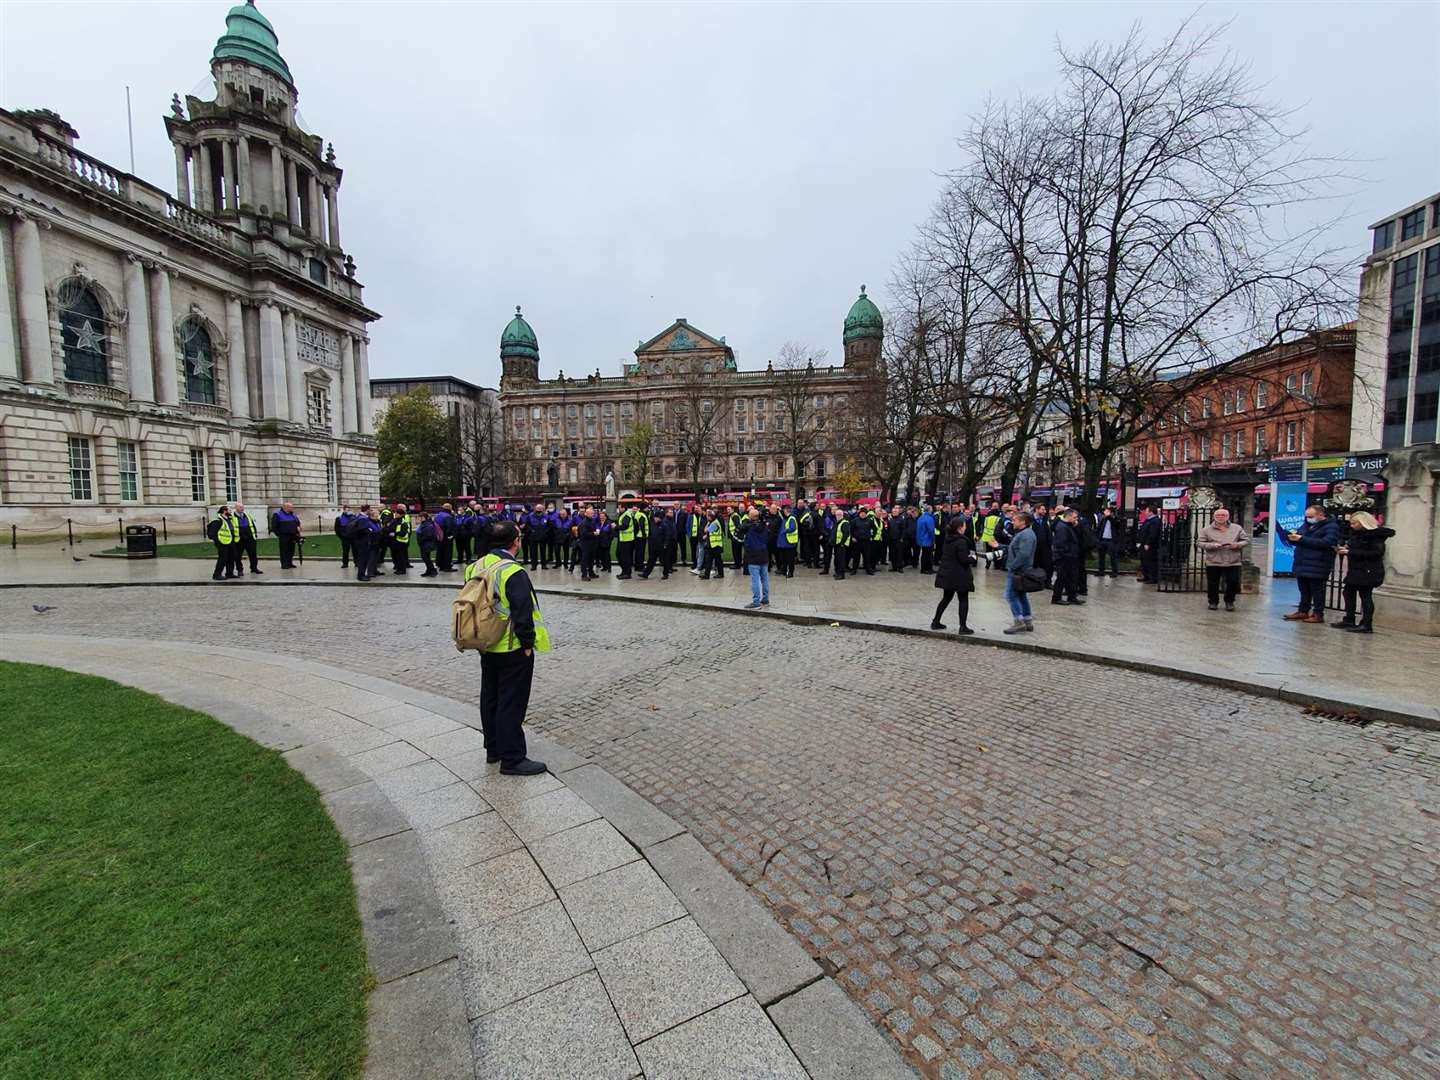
174,900
325,545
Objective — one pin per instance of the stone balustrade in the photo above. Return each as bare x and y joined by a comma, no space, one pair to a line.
82,166
106,395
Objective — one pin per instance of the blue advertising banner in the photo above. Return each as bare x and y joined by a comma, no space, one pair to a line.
1287,500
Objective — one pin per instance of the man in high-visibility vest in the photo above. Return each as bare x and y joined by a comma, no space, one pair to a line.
809,535
249,546
625,545
642,535
226,534
507,668
840,543
400,539
696,527
714,546
787,540
732,530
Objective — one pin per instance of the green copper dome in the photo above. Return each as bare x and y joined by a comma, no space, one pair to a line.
518,339
864,320
250,37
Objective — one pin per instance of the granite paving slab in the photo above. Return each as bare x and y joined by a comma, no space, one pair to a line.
505,961
468,841
639,820
387,758
434,809
415,779
363,813
492,890
504,791
833,1038
619,904
582,852
326,770
664,977
418,1028
545,815
731,1042
405,927
567,1032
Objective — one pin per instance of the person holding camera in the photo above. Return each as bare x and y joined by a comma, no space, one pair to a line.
1020,557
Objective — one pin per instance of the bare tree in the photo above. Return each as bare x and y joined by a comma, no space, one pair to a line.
801,424
1132,226
482,450
704,404
637,450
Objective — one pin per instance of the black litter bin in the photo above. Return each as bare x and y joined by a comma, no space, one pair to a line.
140,541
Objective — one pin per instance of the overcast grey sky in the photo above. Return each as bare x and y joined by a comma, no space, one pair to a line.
746,166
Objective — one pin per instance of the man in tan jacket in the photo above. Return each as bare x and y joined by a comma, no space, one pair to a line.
1223,543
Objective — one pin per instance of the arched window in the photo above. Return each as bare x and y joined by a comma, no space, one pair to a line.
199,362
83,332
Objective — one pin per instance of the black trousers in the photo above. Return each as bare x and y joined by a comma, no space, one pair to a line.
287,551
462,547
962,606
842,560
714,564
927,560
664,555
823,557
447,553
637,555
898,554
873,549
809,551
855,554
1150,565
1312,594
377,556
400,555
1215,576
625,554
505,680
737,553
347,550
587,559
227,560
1366,593
1067,578
530,551
428,554
785,561
1109,549
249,550
362,559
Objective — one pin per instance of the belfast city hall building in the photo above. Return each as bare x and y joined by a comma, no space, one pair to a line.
164,351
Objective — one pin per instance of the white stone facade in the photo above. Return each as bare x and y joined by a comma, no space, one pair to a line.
160,355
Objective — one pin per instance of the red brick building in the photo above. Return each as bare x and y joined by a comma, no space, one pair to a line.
1283,401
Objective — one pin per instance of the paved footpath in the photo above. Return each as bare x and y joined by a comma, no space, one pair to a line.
1015,865
1388,674
518,927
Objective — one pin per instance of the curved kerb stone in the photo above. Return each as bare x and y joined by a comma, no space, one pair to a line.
517,928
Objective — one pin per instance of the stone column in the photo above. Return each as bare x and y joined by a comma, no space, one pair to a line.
317,211
1410,597
227,151
204,184
9,349
182,175
162,320
362,386
294,384
137,332
332,197
274,396
239,384
293,188
246,196
348,403
36,364
277,181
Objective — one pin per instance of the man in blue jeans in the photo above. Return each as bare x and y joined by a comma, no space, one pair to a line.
1019,558
755,540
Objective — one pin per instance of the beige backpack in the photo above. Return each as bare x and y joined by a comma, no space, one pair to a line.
477,621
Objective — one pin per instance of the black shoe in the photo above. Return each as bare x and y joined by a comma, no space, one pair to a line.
1078,601
378,573
362,579
343,566
1361,629
937,626
256,570
644,577
964,630
1057,600
216,577
492,759
1229,607
1344,624
524,767
402,571
1213,607
622,577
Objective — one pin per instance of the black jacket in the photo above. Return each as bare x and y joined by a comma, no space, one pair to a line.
1365,565
1066,544
1117,529
1150,532
1044,530
955,562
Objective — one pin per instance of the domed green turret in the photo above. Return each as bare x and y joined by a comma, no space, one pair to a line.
518,339
864,320
249,36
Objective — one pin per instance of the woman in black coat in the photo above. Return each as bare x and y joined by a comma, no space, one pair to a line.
955,576
1364,570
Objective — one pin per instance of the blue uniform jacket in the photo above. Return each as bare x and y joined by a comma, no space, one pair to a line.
925,530
1315,550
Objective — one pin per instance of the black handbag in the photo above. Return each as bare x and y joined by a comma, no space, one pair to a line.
1031,580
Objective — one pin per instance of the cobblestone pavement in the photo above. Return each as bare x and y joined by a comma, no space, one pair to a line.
1020,867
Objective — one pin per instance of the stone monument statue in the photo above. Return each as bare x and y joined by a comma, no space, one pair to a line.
610,504
552,473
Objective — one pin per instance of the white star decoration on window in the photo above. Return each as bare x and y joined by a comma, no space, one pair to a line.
200,365
87,338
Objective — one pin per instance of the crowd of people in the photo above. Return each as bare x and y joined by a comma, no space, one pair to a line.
1037,548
